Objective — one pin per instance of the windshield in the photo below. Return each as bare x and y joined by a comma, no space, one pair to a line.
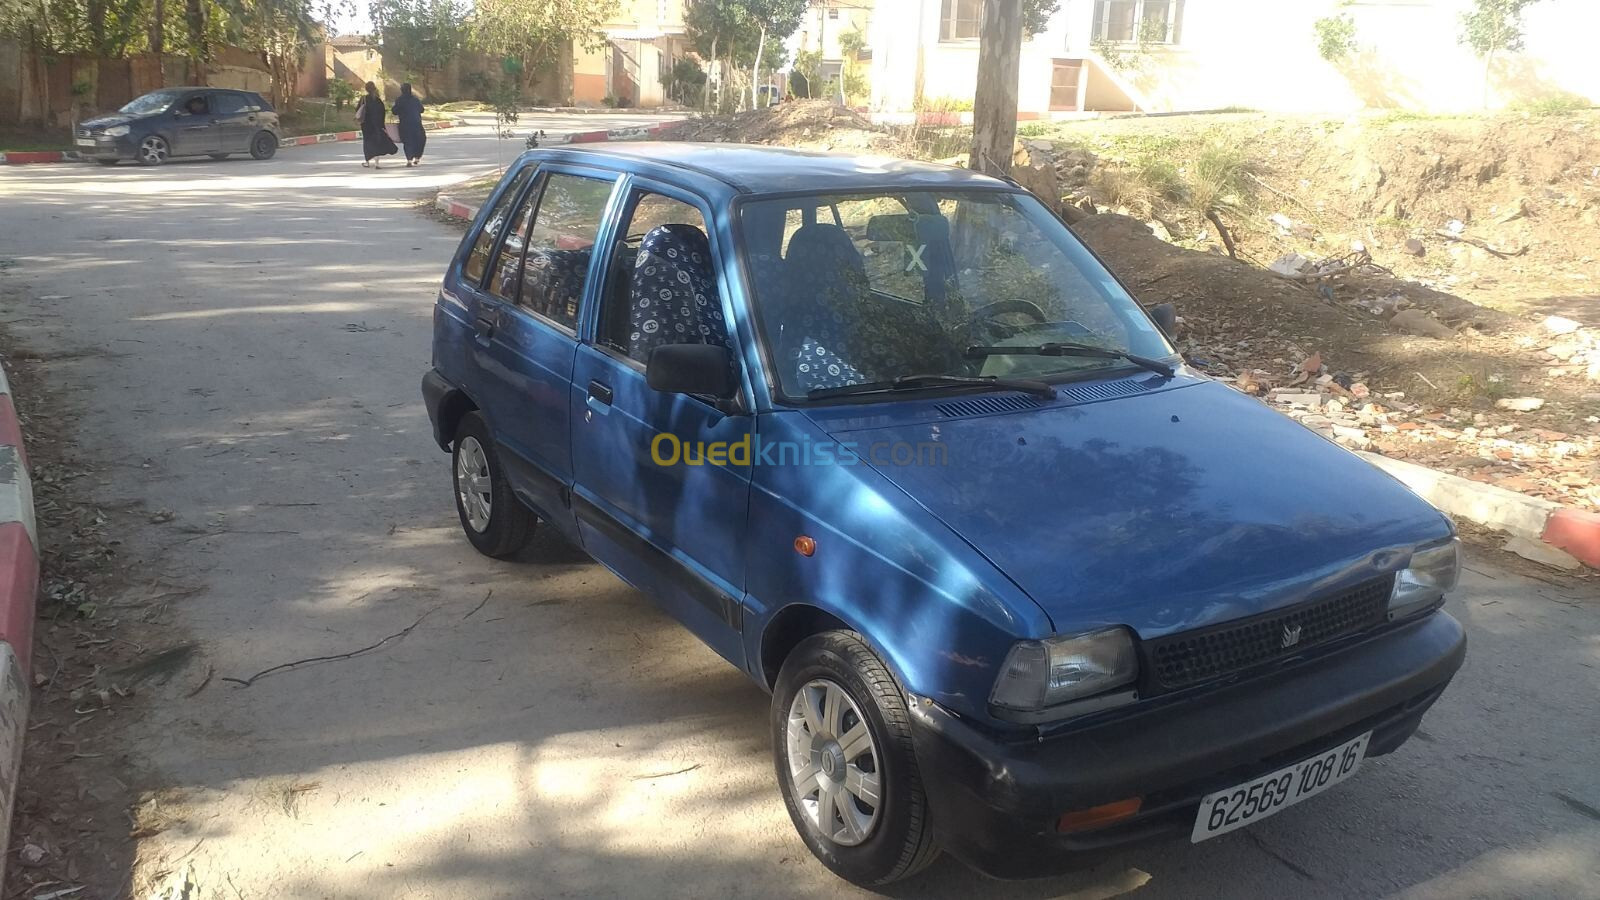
868,288
154,102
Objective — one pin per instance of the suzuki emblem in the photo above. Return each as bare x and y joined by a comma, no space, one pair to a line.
1291,635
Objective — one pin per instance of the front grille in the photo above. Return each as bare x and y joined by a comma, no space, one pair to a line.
1181,660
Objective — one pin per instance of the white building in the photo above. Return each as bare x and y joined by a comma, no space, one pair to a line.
1175,55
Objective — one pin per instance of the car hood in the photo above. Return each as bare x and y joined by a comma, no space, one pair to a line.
107,121
1165,511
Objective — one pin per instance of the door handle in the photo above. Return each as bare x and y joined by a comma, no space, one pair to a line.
599,400
486,324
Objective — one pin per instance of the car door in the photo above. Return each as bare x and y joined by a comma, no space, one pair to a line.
235,118
527,316
195,129
675,529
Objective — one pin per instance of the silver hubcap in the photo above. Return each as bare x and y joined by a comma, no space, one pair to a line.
833,764
472,483
153,149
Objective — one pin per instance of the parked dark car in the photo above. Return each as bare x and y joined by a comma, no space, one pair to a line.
182,121
1023,585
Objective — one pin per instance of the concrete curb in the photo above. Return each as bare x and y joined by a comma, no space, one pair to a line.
22,158
636,133
301,140
1541,530
450,206
19,588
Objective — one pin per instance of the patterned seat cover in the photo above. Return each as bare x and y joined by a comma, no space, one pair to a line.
673,299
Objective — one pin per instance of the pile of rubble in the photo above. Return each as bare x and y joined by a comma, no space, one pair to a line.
1555,465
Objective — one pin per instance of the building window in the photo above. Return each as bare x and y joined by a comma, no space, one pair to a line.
1142,21
833,12
959,20
1064,83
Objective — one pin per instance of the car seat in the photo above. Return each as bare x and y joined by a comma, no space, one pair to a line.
673,299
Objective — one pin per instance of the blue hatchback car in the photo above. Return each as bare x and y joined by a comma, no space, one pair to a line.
885,435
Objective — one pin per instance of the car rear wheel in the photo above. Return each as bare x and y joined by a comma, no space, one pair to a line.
841,736
263,145
495,521
154,150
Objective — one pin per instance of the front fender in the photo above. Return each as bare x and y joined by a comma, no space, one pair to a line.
939,614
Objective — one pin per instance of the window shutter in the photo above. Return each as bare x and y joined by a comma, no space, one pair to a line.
1097,26
1175,23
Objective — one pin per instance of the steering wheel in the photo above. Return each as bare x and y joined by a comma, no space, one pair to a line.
984,316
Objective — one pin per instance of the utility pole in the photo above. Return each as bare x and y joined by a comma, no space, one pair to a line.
994,105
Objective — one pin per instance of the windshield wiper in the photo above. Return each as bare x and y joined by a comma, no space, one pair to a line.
1070,349
914,382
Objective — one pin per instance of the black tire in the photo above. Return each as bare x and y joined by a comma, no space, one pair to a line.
106,162
901,842
154,150
219,156
263,145
510,525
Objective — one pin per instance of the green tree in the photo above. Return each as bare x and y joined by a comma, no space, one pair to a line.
419,37
777,18
1336,37
720,31
1491,27
538,32
1036,15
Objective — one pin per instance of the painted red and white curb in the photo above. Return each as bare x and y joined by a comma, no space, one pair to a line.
635,133
450,206
22,158
1538,529
19,588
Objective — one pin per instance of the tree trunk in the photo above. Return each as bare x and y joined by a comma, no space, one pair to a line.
994,105
195,19
158,34
705,89
755,71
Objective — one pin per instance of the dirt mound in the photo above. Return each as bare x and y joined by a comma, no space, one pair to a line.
799,123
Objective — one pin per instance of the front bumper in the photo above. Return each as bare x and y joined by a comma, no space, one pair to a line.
108,148
995,801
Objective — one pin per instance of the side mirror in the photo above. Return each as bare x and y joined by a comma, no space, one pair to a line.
1165,316
691,369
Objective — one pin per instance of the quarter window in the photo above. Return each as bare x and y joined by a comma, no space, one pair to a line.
478,260
506,280
561,244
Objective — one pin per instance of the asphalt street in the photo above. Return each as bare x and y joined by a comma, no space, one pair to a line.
243,342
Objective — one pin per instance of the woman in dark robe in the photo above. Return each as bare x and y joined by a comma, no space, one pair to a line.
375,141
408,112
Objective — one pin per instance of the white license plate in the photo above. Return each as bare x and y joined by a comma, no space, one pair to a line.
1270,794
85,142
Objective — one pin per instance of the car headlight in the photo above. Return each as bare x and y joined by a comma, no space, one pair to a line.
1038,675
1434,570
116,131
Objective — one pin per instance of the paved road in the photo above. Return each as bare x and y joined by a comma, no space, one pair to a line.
255,332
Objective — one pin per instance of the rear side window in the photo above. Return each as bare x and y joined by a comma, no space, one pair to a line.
228,104
506,280
478,260
561,244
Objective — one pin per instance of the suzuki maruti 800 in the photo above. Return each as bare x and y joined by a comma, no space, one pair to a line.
1023,585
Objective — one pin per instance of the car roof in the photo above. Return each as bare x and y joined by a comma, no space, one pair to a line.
759,169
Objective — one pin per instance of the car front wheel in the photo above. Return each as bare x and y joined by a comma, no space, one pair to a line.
841,738
263,145
154,150
495,521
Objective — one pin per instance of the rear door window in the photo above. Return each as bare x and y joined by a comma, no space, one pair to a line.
227,104
560,245
483,246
